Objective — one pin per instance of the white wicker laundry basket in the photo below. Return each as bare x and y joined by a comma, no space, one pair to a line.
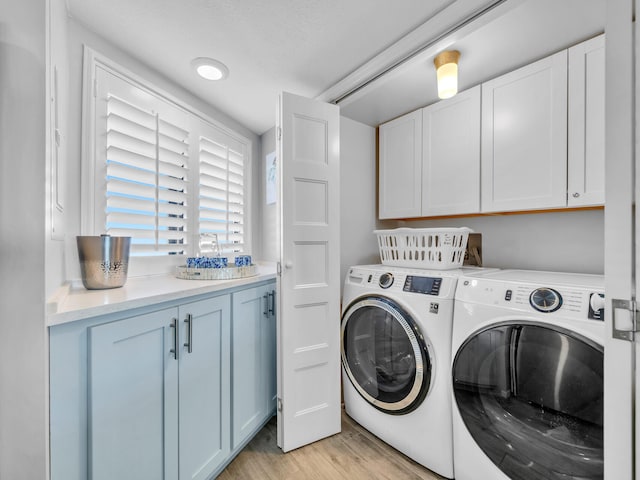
436,248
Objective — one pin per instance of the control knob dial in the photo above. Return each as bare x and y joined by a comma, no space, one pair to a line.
545,300
386,280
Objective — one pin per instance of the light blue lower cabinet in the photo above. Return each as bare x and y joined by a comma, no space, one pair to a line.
171,394
133,399
253,361
204,388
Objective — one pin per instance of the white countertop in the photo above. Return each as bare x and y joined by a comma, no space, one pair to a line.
74,302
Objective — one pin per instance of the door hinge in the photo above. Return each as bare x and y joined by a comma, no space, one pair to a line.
626,326
279,133
279,402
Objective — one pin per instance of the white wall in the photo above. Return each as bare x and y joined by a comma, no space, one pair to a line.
358,195
558,241
23,352
79,35
268,213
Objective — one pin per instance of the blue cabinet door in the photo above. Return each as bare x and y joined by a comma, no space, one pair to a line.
249,314
133,399
204,390
251,363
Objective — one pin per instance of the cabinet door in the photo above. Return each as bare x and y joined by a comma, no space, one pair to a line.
204,384
250,334
451,155
400,170
133,399
586,123
524,137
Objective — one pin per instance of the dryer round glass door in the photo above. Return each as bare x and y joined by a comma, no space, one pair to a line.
531,398
384,355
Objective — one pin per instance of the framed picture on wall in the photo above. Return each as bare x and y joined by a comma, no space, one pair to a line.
270,178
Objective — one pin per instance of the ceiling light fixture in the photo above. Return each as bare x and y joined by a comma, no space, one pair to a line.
447,73
210,69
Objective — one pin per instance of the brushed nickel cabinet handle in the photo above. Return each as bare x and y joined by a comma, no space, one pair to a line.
272,307
174,350
189,322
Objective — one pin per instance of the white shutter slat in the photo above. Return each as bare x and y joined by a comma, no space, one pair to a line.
131,219
126,110
212,158
175,222
172,183
132,189
170,129
213,193
162,249
172,158
127,157
128,143
130,232
127,203
172,196
116,123
116,170
173,209
173,145
212,170
212,204
177,235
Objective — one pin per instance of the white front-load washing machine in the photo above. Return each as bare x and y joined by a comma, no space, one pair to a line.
396,351
527,376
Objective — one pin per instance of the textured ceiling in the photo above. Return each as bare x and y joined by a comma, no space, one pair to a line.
317,48
300,46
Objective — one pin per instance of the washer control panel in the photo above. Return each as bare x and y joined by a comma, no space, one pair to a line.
425,285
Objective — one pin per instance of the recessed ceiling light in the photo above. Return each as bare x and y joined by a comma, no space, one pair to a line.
210,69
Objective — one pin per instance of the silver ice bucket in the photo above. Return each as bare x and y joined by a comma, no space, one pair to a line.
104,261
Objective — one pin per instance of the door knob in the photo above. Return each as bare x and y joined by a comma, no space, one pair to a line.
288,264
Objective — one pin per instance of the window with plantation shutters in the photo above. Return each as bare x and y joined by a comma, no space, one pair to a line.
161,173
146,179
221,190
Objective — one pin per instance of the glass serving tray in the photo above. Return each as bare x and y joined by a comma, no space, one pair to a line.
227,273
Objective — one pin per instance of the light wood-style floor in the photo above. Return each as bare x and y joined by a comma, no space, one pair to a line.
354,454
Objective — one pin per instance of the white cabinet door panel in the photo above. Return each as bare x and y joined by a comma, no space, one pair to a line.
524,137
400,168
451,155
586,123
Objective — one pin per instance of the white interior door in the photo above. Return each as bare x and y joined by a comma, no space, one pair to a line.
619,240
309,282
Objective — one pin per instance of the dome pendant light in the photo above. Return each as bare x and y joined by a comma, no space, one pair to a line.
447,73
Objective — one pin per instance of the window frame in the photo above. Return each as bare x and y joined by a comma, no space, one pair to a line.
153,265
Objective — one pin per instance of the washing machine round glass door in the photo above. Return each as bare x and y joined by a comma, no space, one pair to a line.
385,355
531,398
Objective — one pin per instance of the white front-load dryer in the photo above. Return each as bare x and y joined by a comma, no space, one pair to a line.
396,350
527,376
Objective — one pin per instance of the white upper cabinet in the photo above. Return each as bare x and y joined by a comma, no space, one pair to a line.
451,155
400,171
524,137
586,123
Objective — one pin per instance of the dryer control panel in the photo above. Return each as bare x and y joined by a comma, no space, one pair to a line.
580,302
